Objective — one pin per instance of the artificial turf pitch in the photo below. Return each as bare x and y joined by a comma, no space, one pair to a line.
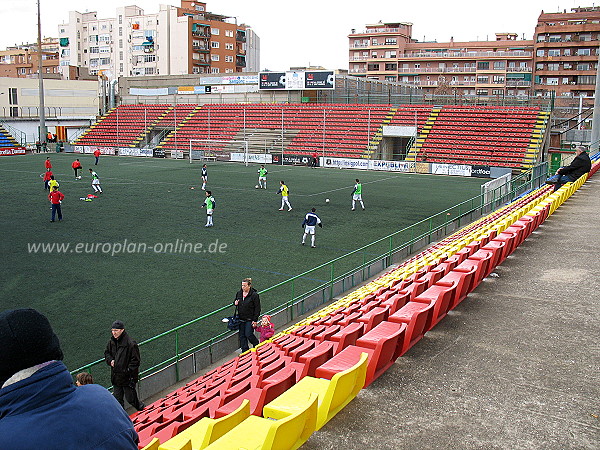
148,202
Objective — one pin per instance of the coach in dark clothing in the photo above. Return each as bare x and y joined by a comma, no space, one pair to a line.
248,305
579,166
122,354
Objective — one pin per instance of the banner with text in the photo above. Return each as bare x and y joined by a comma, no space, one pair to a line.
260,158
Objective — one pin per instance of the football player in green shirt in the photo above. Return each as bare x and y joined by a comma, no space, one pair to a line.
210,204
357,195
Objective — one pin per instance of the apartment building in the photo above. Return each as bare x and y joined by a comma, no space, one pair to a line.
176,40
561,58
22,61
387,52
566,52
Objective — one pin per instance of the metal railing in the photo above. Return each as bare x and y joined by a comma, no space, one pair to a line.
326,280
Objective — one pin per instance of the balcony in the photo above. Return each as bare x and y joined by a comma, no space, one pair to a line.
519,69
472,55
437,70
518,83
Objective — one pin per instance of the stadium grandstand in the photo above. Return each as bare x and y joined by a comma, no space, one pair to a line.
308,372
511,137
341,339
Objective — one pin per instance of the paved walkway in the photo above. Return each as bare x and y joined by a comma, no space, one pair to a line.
515,366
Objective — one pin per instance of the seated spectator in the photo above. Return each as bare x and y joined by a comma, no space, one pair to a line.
579,166
39,405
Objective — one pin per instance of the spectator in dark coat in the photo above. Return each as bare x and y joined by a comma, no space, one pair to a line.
579,166
122,354
39,405
248,305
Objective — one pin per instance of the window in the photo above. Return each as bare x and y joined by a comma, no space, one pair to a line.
586,79
214,44
541,38
483,79
540,52
539,66
567,52
94,50
583,52
417,66
214,70
120,67
104,61
552,81
390,54
553,52
149,71
215,31
228,70
553,66
499,65
149,58
12,96
482,92
105,49
120,43
229,58
523,65
94,62
390,78
483,65
120,20
391,66
228,46
229,33
583,66
120,31
585,37
22,71
104,38
512,65
214,57
65,52
554,38
390,41
498,79
567,66
373,41
497,92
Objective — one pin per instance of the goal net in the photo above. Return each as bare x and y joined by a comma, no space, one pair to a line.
218,150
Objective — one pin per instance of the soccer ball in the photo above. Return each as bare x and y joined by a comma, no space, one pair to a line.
79,177
326,200
256,187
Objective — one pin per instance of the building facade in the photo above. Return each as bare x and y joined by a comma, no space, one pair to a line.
561,59
22,61
387,52
174,41
566,52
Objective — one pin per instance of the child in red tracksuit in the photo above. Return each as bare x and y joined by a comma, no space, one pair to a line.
46,177
266,328
56,197
48,164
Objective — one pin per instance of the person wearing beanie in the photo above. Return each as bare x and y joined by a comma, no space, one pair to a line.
122,354
39,405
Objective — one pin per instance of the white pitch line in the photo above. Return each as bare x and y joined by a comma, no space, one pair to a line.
345,187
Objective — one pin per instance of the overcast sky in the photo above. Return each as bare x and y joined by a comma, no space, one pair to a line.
309,32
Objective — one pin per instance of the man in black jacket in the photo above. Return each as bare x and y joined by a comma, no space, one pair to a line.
122,354
248,305
579,166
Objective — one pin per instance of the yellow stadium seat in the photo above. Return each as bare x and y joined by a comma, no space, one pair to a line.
206,431
333,394
153,445
258,433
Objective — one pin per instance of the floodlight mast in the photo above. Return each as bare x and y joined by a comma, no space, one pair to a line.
42,131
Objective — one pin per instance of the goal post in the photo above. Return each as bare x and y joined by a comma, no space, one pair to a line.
215,149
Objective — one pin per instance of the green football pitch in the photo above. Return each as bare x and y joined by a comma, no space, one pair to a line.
126,255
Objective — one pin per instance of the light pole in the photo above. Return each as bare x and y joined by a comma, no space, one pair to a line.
41,78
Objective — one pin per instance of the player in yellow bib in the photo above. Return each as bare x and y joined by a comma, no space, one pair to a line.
284,191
